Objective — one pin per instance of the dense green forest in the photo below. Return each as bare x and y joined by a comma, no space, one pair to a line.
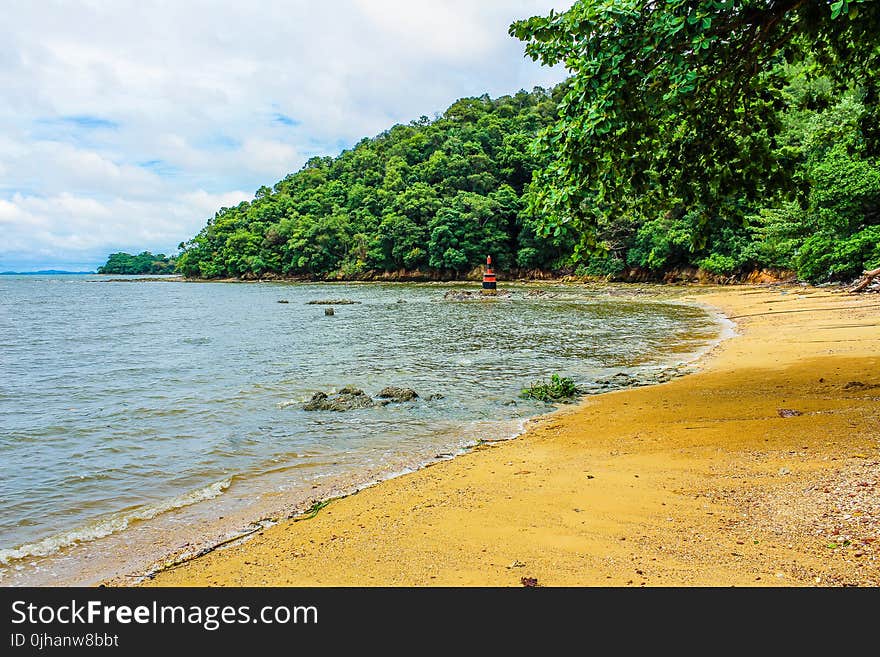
431,195
729,136
142,263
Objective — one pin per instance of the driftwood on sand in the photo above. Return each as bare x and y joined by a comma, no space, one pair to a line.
866,279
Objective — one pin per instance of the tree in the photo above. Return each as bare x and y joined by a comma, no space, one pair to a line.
749,151
665,96
399,243
376,206
142,263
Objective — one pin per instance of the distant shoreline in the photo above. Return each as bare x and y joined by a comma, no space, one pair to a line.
676,276
679,276
46,272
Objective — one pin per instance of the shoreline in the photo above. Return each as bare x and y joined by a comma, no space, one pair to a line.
679,276
266,515
145,545
443,520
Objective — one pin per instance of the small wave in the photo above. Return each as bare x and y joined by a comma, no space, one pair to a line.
293,402
110,524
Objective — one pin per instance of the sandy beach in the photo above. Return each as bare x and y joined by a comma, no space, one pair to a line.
761,469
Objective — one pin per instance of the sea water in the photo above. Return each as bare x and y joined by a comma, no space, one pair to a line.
135,415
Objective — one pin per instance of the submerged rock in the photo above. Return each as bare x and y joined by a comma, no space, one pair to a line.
643,378
315,401
459,295
540,294
350,398
347,399
619,379
468,295
395,394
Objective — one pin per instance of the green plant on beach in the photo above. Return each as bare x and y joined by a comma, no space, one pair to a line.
557,389
313,510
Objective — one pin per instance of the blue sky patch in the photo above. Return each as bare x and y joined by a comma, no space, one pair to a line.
84,121
220,142
285,120
160,168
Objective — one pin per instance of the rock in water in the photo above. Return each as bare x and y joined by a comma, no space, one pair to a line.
398,394
316,402
347,399
466,295
619,380
460,295
329,312
331,302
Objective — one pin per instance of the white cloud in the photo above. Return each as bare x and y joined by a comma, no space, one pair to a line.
270,156
74,229
127,124
452,30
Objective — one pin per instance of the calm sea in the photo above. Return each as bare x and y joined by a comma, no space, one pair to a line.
135,416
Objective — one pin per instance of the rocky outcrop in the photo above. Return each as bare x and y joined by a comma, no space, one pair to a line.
347,399
693,275
459,295
469,295
395,394
351,398
539,294
331,302
643,378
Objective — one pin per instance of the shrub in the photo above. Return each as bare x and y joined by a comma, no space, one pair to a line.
825,256
557,389
721,265
602,264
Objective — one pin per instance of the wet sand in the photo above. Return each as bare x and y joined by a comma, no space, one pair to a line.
761,469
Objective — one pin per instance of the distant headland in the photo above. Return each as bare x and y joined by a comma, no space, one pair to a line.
45,272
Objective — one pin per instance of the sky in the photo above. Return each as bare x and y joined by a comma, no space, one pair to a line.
125,125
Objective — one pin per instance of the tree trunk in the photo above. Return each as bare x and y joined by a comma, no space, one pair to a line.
865,280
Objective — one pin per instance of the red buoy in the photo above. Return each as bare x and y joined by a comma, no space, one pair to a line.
489,282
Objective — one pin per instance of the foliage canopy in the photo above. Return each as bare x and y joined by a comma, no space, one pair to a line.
676,103
726,135
142,263
430,195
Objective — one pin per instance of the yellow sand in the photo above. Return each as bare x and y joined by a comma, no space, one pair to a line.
699,481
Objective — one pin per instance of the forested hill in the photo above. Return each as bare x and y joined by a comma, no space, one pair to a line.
433,196
142,263
698,161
